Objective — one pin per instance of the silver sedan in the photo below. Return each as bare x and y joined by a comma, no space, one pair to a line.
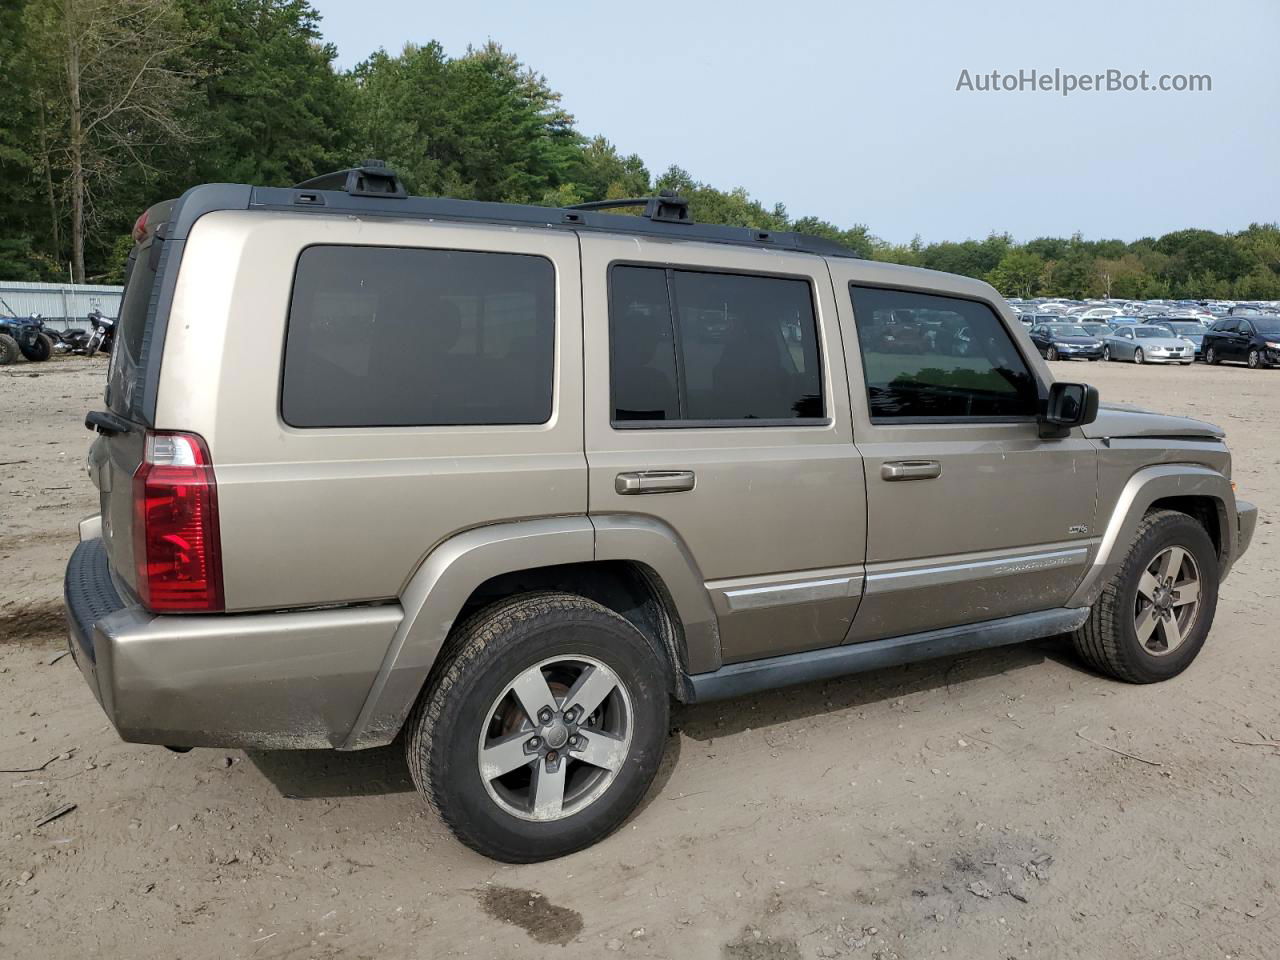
1144,344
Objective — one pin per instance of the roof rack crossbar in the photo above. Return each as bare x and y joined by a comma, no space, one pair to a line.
666,207
373,179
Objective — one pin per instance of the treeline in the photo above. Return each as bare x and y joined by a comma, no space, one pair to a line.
109,105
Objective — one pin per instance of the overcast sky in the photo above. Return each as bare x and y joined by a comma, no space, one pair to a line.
850,111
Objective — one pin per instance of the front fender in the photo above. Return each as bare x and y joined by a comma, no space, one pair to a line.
437,592
1144,488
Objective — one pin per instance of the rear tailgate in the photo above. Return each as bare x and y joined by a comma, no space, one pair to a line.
115,456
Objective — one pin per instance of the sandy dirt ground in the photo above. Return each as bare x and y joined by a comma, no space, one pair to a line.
987,806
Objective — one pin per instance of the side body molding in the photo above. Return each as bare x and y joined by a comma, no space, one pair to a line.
435,594
1144,488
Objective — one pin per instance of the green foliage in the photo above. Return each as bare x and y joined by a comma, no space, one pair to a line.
268,106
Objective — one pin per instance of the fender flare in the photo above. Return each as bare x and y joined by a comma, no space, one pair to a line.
1144,488
440,587
435,594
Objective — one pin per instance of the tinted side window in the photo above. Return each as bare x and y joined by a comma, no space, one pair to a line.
388,336
642,359
932,356
748,346
687,345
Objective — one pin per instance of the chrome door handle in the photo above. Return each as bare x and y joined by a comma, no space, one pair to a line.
910,470
654,481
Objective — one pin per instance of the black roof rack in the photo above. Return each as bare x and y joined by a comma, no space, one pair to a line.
666,207
373,179
374,190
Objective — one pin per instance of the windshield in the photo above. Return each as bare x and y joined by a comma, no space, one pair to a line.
1185,327
1068,330
1151,333
1268,325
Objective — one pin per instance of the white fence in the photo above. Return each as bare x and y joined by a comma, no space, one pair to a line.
62,305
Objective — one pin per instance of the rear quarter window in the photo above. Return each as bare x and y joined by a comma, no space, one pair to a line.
391,336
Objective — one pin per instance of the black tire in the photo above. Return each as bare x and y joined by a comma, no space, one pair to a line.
1255,359
1211,357
482,657
41,350
1139,356
9,350
1106,354
1051,353
1108,641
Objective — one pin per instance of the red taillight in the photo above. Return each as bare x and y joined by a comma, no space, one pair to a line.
176,546
140,227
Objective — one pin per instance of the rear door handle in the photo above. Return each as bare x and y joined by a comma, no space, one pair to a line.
654,481
910,470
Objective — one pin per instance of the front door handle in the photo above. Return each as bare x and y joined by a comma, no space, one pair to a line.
654,481
910,470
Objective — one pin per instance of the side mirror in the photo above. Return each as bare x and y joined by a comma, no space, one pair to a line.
1069,405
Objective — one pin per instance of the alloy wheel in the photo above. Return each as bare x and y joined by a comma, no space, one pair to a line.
556,738
1255,359
1168,601
1138,356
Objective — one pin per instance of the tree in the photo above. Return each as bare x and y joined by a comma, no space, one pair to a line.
1019,273
269,106
18,160
112,71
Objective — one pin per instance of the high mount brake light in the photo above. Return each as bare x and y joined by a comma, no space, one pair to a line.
140,227
177,548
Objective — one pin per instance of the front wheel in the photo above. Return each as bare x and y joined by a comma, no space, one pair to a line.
1255,359
1051,353
41,349
1211,357
1138,356
542,729
1153,616
1106,354
9,349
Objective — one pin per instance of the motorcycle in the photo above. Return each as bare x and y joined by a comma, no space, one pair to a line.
104,333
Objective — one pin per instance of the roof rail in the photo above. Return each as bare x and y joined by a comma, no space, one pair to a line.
666,207
373,179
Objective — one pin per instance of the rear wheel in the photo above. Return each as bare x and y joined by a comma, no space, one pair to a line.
42,349
9,350
543,728
1154,615
1106,353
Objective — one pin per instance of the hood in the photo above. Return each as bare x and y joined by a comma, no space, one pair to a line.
1122,420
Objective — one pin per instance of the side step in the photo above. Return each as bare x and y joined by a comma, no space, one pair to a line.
753,676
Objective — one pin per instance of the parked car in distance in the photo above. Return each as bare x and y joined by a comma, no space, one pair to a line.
1253,339
1096,328
1065,341
1147,344
1192,330
478,488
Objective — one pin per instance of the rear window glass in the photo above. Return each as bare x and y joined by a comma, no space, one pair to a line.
713,348
125,373
390,336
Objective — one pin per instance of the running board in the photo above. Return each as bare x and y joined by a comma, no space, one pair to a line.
753,676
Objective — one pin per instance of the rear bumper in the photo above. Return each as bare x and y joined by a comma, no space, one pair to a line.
266,680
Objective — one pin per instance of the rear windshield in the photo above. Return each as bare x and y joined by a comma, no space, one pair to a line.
391,336
126,371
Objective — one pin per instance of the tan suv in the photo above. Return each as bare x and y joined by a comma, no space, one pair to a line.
506,479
